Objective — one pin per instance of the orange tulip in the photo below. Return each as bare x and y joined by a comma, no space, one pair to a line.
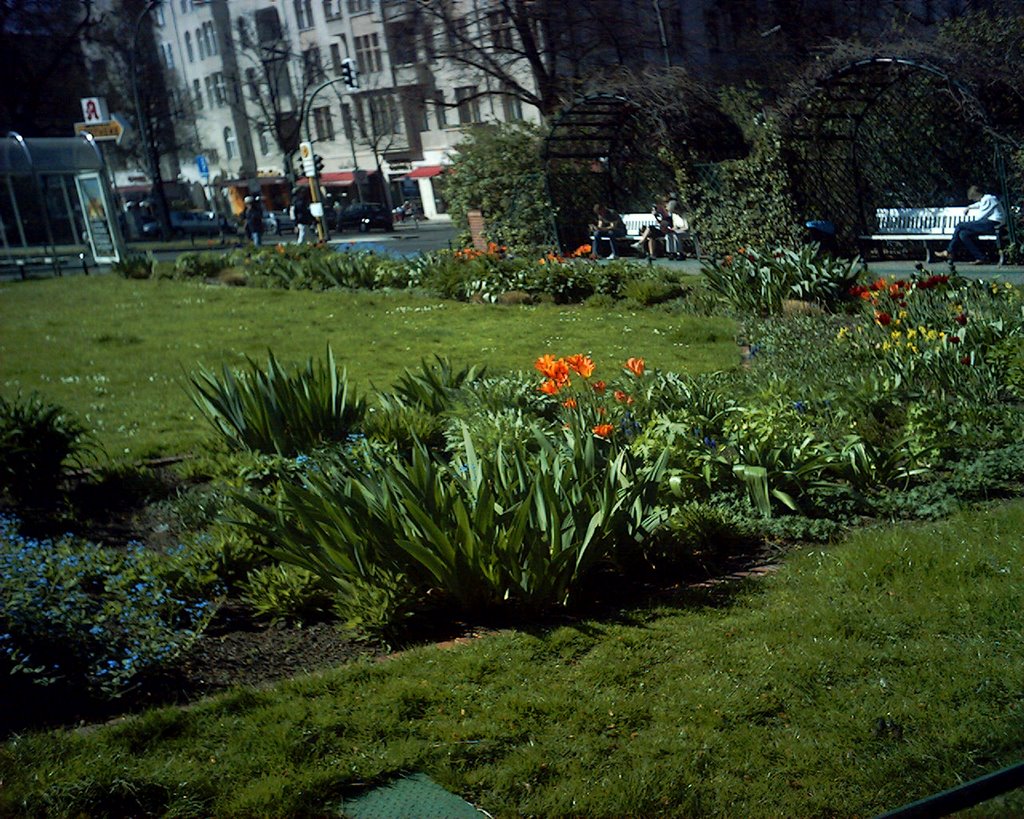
569,403
599,387
603,430
581,364
549,387
545,365
623,398
635,366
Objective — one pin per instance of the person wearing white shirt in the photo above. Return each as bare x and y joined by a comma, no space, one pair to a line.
984,215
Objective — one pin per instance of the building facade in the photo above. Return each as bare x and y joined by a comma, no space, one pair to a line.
260,76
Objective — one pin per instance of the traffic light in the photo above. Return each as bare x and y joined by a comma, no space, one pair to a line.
318,163
349,74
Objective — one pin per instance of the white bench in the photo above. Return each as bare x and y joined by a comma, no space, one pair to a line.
636,222
923,225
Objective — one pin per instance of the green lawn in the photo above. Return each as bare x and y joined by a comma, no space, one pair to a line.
853,680
116,352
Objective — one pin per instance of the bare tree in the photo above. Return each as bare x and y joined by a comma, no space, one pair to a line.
539,51
41,64
276,81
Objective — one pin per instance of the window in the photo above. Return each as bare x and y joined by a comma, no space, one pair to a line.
384,116
335,59
184,6
209,91
346,120
230,144
468,104
368,59
312,69
512,107
440,110
197,94
188,46
323,123
501,29
357,6
252,83
429,50
220,89
264,142
332,12
268,25
160,21
167,53
402,37
201,43
244,38
304,13
211,38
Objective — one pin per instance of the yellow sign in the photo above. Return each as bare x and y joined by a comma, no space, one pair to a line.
110,130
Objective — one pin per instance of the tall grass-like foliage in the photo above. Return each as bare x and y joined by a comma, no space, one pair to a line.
37,437
273,411
759,282
510,525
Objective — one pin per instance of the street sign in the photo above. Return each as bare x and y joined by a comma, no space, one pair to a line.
112,129
94,110
308,159
204,168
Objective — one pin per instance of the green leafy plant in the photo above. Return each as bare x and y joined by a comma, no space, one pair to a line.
286,593
273,411
89,615
199,265
136,266
760,282
37,438
512,525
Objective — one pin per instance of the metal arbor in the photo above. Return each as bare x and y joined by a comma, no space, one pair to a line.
887,132
621,150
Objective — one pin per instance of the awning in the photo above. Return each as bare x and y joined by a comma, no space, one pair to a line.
336,178
262,181
134,188
425,172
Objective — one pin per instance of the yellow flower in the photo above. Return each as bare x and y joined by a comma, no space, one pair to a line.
911,333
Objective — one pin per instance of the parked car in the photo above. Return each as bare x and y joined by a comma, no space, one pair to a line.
365,216
278,222
192,223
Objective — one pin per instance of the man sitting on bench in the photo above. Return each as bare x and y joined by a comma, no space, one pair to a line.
985,215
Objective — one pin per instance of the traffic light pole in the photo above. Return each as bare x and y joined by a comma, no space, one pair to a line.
348,77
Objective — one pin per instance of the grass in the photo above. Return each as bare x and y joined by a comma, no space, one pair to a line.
116,352
853,680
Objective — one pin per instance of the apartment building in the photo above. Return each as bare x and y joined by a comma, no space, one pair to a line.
249,69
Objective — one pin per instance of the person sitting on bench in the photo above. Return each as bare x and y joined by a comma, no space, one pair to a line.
985,215
607,225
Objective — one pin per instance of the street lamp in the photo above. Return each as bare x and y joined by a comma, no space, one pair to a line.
148,146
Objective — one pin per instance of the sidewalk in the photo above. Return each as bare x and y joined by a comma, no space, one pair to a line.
895,268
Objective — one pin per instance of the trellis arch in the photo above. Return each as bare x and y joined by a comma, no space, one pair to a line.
622,149
889,131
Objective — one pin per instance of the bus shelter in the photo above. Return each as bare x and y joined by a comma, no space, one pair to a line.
56,205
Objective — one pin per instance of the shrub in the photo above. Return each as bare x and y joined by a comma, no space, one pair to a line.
286,593
89,615
136,266
760,283
499,169
272,411
199,265
511,525
36,439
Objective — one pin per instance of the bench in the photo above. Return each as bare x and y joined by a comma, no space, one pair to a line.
923,225
636,222
43,265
